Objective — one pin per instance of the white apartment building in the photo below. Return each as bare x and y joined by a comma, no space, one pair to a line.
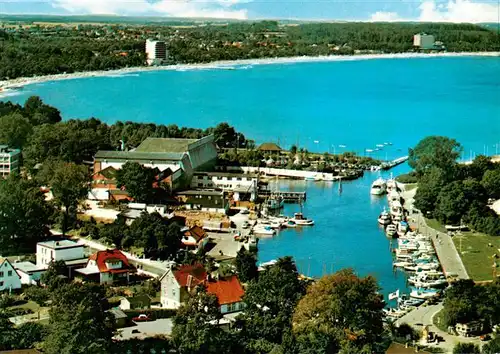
424,41
9,279
156,52
9,160
243,186
63,250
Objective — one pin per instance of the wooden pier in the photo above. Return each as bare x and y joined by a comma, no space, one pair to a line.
288,197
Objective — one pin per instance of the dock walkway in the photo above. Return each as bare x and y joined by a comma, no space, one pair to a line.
394,163
445,248
289,197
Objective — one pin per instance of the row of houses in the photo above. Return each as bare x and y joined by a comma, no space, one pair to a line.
112,267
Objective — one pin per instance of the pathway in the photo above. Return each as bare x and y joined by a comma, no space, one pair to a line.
445,248
423,316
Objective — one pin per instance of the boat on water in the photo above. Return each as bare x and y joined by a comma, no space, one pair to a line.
384,218
300,220
380,145
422,266
395,313
328,177
289,224
406,301
403,228
402,264
264,230
378,187
391,230
421,293
273,224
310,178
397,211
392,185
274,202
393,196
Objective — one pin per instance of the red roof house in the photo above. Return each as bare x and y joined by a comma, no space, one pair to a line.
194,237
107,267
177,284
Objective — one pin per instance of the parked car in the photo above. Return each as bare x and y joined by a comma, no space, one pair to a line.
245,225
141,318
485,337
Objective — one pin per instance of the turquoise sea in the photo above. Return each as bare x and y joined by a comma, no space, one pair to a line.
356,104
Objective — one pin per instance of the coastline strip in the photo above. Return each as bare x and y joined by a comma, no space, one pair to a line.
24,81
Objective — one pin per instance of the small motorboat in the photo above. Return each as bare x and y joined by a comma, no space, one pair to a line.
384,218
264,230
300,220
391,230
289,224
402,264
403,228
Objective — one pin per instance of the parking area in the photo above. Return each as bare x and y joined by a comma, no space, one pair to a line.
141,330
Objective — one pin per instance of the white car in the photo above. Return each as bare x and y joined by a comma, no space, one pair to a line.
245,225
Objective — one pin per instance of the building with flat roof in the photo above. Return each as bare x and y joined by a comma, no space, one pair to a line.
29,273
70,252
156,52
9,160
204,200
181,156
243,186
424,41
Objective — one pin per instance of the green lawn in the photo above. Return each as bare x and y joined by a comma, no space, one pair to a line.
477,254
33,306
409,187
436,225
439,321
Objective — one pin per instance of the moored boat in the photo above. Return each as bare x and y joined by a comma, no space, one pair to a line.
391,230
420,293
300,220
384,218
378,187
264,230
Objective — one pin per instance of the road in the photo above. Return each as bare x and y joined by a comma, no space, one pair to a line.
445,248
423,316
162,326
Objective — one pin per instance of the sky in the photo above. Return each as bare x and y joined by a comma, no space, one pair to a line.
473,11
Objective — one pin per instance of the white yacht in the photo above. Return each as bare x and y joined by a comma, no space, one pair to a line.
300,220
397,210
379,187
392,184
384,218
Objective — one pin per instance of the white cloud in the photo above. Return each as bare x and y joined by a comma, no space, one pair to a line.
173,8
453,11
459,11
381,16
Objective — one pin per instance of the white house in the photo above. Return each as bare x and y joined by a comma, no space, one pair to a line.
156,52
63,250
30,273
139,302
177,283
243,186
9,279
107,267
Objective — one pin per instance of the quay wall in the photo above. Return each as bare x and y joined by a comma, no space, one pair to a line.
270,171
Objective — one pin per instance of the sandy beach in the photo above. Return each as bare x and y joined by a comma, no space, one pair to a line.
7,85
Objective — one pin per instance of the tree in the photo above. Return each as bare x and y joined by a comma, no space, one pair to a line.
7,339
271,300
492,347
137,180
451,203
491,182
23,215
14,130
78,321
434,151
155,235
479,166
225,136
341,312
460,302
29,335
52,277
69,184
196,327
428,190
466,348
245,263
40,113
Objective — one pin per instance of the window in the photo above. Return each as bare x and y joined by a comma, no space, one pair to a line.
9,273
1,283
238,179
1,274
219,178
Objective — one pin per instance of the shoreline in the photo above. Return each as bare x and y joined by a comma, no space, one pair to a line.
12,84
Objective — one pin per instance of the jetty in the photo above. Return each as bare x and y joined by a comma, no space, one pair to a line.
288,197
390,164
